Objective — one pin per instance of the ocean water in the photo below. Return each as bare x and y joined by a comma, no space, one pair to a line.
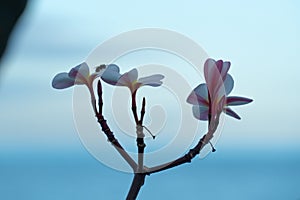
76,175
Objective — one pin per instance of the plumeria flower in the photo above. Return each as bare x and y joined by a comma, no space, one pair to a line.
211,98
129,79
78,75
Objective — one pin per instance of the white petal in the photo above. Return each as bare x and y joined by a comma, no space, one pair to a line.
132,75
200,112
113,67
199,96
62,80
111,77
153,80
128,78
201,90
82,69
228,84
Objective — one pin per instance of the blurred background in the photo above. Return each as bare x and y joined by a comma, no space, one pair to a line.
41,156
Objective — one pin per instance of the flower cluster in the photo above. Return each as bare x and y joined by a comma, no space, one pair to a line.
211,98
110,74
129,79
208,99
79,75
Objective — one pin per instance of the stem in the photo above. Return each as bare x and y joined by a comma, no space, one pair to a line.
133,107
140,170
140,138
105,128
187,158
139,176
141,147
143,111
100,100
111,138
137,183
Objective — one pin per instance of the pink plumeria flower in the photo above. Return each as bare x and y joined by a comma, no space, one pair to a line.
129,79
210,99
79,75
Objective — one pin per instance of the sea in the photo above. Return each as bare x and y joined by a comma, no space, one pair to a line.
76,175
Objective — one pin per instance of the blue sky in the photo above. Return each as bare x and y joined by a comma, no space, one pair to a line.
260,38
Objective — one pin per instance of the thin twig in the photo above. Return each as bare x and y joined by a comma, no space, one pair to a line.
139,177
142,111
100,100
140,170
133,107
187,158
105,128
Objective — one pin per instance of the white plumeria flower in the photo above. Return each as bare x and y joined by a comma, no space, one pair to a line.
129,79
78,75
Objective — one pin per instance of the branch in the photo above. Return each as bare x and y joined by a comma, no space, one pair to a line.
137,183
187,158
140,170
105,128
140,139
139,177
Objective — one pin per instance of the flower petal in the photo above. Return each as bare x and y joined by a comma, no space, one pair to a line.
113,67
212,76
228,84
223,68
236,101
128,78
201,91
83,69
199,96
111,75
219,64
153,80
200,112
231,113
62,81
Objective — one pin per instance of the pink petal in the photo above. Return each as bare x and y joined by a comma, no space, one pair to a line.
219,64
200,112
224,69
236,101
212,77
231,113
225,87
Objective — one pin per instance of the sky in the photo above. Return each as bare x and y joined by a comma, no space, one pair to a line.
259,38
